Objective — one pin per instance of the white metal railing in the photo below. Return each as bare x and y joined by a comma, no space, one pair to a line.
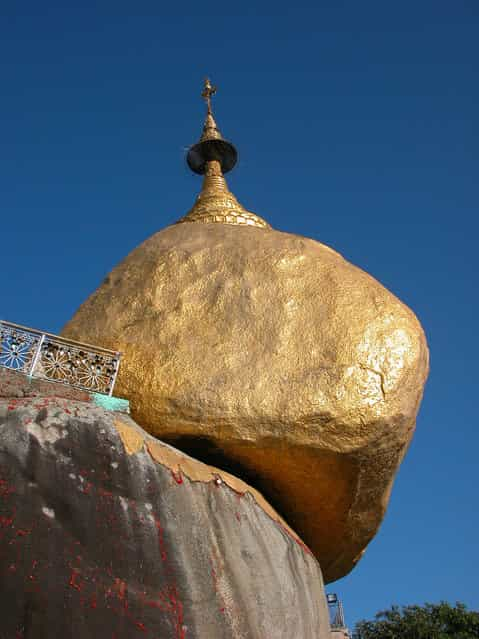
57,359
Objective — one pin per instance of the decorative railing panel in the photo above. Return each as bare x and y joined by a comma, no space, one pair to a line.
57,359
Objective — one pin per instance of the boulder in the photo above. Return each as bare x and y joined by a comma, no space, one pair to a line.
271,356
107,532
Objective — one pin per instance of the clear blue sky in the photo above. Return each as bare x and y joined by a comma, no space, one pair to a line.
357,125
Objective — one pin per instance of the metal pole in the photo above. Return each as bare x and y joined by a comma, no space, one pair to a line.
341,613
36,357
113,380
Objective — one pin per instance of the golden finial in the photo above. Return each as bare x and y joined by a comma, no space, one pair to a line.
212,145
213,156
208,91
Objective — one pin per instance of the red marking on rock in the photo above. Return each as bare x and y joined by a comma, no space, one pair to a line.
239,493
140,626
5,489
178,611
177,476
22,533
161,541
6,521
300,543
168,601
87,489
75,580
121,588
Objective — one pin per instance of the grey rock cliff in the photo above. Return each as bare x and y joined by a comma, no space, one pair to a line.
106,532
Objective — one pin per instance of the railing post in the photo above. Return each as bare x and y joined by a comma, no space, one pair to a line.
113,380
36,357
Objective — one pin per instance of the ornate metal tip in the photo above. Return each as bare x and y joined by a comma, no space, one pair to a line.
211,146
208,91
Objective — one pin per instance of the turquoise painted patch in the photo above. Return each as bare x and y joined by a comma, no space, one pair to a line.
111,403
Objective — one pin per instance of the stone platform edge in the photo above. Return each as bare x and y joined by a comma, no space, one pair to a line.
14,384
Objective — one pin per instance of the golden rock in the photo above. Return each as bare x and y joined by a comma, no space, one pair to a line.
270,356
272,352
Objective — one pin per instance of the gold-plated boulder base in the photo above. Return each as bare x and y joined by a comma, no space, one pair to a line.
269,355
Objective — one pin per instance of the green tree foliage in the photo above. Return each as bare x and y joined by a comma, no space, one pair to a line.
431,621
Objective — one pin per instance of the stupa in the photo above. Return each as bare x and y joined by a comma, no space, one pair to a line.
268,355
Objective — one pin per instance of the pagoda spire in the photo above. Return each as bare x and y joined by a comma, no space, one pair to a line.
213,156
